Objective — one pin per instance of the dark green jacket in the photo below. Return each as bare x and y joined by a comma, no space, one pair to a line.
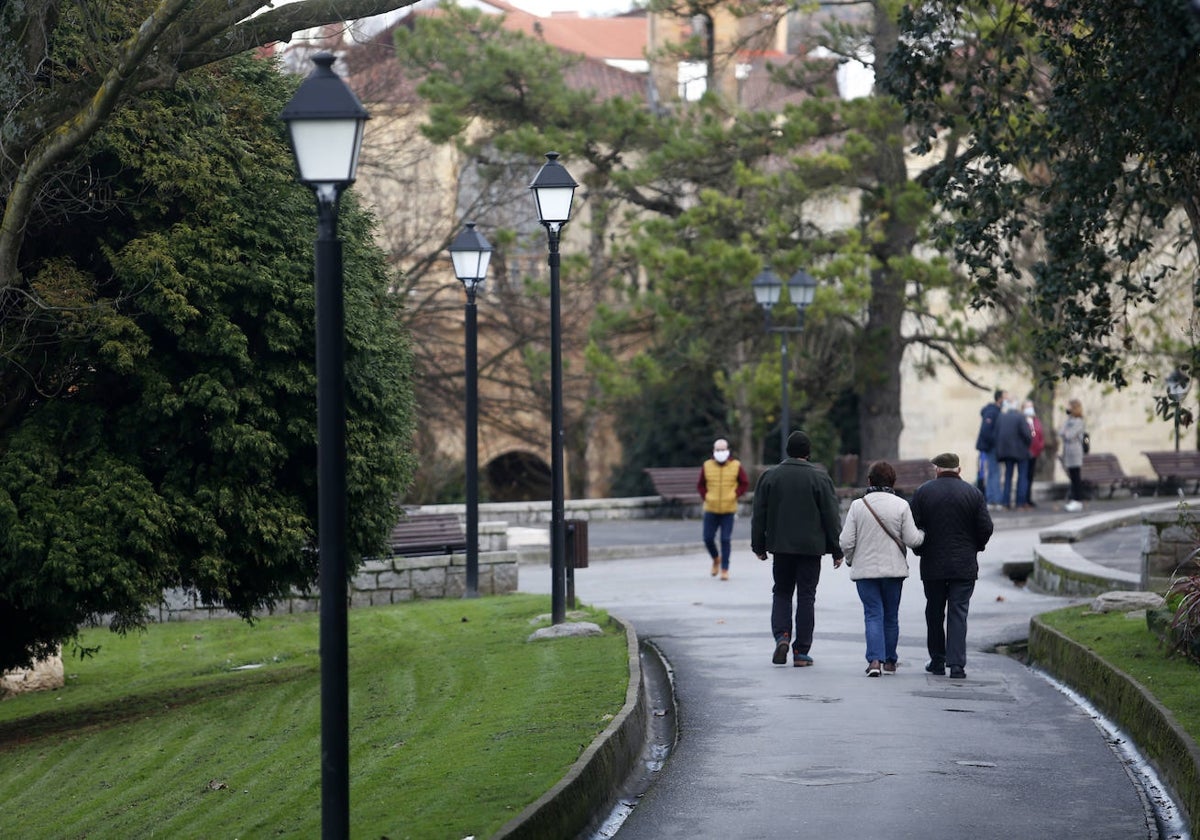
795,511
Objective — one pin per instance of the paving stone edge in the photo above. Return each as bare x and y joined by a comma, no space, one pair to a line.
1123,700
588,788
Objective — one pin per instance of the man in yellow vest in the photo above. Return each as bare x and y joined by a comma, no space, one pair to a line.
722,481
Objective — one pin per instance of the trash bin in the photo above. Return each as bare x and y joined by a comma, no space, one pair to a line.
576,550
577,544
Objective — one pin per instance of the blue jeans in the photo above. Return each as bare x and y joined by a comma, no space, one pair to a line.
711,522
991,476
1022,469
881,612
946,605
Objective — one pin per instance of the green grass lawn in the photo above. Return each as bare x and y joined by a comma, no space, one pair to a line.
456,724
1127,644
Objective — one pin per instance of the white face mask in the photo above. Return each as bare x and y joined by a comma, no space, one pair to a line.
721,455
1029,411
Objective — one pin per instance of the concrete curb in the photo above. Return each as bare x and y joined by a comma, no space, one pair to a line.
1086,526
540,555
1061,570
590,785
1152,727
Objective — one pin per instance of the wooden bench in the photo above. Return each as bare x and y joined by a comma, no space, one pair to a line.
1103,468
911,473
424,534
1175,467
675,484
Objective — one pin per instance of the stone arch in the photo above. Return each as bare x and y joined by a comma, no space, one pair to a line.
517,476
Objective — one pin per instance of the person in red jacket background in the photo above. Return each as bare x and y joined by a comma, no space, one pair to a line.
722,482
1036,445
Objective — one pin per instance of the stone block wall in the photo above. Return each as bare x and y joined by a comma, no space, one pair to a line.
387,580
1170,546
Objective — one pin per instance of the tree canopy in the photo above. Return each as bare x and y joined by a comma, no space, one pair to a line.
68,66
172,441
698,196
1070,168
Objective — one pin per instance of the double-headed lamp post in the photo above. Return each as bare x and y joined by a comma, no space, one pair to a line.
325,125
1178,385
767,289
471,253
553,191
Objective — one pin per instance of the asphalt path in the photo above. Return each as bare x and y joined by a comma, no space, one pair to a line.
766,751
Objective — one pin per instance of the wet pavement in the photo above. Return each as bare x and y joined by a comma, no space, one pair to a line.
767,751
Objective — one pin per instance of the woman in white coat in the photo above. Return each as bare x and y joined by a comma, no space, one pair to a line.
878,527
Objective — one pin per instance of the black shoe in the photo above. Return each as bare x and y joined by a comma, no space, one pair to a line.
957,672
936,668
781,651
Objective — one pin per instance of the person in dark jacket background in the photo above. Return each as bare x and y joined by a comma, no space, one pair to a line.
954,516
1013,437
795,517
985,443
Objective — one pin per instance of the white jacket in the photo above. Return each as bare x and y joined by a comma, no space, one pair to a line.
869,551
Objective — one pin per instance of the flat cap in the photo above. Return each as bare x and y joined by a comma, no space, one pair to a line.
946,461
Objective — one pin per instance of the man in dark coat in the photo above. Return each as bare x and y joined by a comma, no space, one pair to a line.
1013,438
796,519
954,516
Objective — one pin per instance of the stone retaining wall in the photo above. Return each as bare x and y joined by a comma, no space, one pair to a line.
387,580
1170,546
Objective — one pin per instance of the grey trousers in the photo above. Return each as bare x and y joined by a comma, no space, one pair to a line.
946,605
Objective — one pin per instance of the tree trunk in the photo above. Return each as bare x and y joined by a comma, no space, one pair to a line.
881,348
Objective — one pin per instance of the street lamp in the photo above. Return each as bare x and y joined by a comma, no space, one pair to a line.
553,191
1178,385
325,126
471,253
767,289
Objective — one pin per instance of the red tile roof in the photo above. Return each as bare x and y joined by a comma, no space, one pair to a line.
606,38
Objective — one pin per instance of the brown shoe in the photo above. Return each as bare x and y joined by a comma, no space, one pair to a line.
724,574
873,670
716,566
889,667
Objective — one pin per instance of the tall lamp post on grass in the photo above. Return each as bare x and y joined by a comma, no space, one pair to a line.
325,125
472,253
553,191
767,290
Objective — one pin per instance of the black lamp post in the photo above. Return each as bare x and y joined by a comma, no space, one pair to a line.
1178,384
767,288
553,191
471,253
325,125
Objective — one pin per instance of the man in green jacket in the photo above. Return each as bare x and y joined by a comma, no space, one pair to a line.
796,519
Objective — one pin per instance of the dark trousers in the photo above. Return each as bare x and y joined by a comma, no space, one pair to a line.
946,604
1022,469
798,573
1075,474
711,523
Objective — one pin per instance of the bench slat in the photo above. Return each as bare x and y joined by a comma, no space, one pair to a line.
427,533
1100,468
675,484
1175,466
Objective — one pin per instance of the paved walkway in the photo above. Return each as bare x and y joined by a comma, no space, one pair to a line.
780,752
